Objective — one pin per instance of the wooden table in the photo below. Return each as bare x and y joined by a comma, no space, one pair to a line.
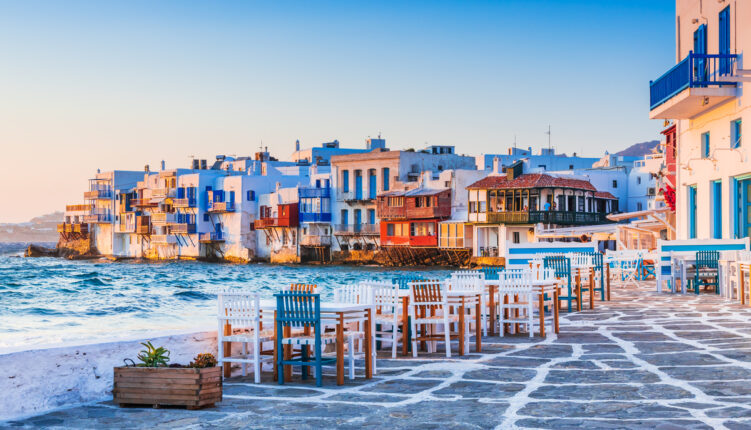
459,298
338,314
542,286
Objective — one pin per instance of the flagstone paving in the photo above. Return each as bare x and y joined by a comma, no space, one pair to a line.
643,361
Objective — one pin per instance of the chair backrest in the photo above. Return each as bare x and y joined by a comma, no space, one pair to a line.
385,296
491,272
427,293
707,259
297,309
241,309
519,255
303,288
516,281
597,258
467,280
560,265
404,280
356,294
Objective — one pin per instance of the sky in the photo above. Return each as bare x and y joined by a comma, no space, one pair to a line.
87,85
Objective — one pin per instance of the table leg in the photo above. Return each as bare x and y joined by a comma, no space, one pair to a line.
607,269
592,288
287,355
368,346
506,314
541,300
555,308
340,350
405,325
227,350
516,314
478,328
462,311
578,290
491,304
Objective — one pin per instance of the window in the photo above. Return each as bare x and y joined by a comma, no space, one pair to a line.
389,229
385,178
735,133
345,216
345,181
570,167
615,184
482,207
639,206
515,237
251,195
418,202
705,145
724,48
691,211
716,209
472,207
206,217
638,180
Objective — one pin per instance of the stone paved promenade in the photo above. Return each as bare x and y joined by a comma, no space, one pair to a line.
641,361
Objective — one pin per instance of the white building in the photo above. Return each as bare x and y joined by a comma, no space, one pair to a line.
704,94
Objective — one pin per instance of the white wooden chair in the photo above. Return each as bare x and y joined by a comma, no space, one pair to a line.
241,310
517,286
472,280
430,309
386,302
357,294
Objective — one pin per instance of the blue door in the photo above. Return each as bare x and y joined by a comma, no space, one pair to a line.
372,184
700,47
371,216
692,212
724,40
218,231
717,209
358,217
358,184
345,217
385,179
743,208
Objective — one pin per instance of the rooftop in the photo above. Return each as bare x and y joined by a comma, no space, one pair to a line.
531,180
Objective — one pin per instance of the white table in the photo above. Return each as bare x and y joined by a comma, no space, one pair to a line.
542,286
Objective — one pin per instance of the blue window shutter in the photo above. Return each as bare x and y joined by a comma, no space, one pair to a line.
724,37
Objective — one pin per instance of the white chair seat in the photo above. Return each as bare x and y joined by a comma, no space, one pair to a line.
263,336
326,338
439,318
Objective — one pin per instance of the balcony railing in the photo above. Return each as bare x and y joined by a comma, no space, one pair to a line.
315,217
313,240
102,193
143,203
211,237
514,217
314,192
163,239
162,218
143,229
77,208
160,193
72,228
221,207
696,70
183,228
567,217
126,228
184,203
95,218
357,229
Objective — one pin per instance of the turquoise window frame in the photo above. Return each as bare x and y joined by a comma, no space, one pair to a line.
705,145
736,130
717,209
691,211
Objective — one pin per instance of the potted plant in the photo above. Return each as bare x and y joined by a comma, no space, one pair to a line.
155,382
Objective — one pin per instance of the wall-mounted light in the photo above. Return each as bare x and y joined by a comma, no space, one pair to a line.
705,101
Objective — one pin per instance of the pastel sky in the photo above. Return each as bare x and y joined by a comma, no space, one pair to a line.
117,85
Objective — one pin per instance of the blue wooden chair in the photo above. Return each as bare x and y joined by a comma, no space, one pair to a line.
600,268
707,270
404,280
562,268
301,310
491,272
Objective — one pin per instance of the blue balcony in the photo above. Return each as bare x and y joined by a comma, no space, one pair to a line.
315,217
695,85
312,193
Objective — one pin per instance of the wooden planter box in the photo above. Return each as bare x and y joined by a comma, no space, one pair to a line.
165,386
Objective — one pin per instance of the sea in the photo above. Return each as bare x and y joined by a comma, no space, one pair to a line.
48,302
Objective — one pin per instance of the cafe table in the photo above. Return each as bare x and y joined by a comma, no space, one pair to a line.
460,298
339,314
578,270
542,286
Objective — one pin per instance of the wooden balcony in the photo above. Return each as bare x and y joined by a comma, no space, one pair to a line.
161,193
143,229
101,218
211,238
77,208
67,228
357,230
315,240
141,203
184,203
545,217
162,218
163,239
103,193
183,228
125,228
221,207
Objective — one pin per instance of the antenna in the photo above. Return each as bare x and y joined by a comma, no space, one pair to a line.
514,140
548,133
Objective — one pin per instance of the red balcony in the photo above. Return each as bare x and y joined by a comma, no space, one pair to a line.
415,204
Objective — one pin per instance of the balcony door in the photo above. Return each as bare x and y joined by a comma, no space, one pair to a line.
358,217
743,207
372,184
358,184
724,48
700,47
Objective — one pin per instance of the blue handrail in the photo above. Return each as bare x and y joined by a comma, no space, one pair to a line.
696,70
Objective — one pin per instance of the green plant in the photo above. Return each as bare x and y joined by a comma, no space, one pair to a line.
203,360
153,357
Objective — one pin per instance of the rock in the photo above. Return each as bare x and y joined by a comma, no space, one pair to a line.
40,251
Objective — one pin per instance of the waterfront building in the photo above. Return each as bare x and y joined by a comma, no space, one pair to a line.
277,225
357,180
315,216
322,154
546,159
505,206
703,95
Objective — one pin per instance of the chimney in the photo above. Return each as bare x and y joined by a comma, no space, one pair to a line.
163,164
146,168
497,168
297,145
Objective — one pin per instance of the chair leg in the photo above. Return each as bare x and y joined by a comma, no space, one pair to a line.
352,357
414,335
256,359
319,366
394,334
280,357
530,315
447,335
304,358
502,314
244,365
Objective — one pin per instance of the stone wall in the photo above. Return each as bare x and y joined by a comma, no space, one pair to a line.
39,380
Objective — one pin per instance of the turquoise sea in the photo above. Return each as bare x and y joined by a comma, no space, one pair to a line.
52,301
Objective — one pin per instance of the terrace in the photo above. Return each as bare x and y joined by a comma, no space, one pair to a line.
184,203
643,360
221,207
182,228
697,84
